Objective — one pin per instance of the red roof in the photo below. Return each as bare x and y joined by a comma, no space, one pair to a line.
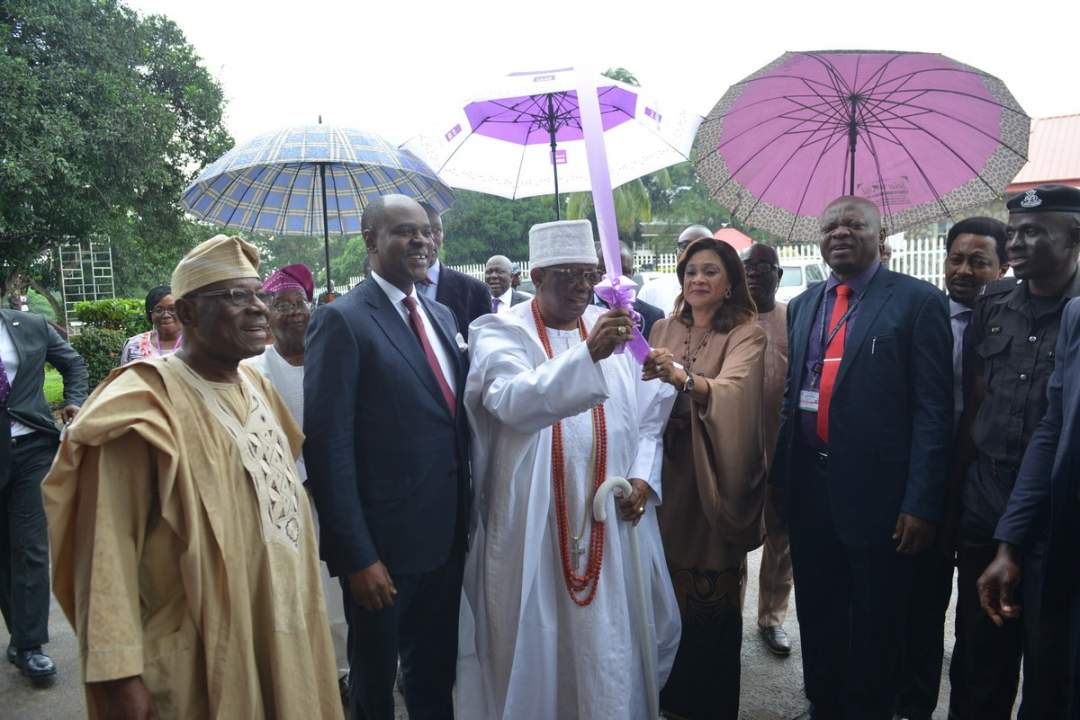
734,238
1053,153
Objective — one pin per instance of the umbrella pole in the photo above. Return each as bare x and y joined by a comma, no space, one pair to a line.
551,136
853,136
325,226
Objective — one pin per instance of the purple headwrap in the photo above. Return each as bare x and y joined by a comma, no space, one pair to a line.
291,277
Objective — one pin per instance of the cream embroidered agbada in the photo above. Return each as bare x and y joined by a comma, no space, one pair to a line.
183,548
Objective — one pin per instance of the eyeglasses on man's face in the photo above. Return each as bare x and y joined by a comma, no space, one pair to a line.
284,307
237,297
576,276
760,268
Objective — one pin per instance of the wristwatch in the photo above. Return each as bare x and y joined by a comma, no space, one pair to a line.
688,386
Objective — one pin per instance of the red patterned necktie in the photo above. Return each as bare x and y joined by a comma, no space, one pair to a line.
834,353
418,328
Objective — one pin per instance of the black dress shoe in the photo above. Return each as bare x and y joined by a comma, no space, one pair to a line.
35,664
11,653
776,640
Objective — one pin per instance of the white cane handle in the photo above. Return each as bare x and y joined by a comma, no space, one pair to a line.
620,486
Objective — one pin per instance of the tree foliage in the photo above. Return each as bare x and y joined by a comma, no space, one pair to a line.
106,115
479,226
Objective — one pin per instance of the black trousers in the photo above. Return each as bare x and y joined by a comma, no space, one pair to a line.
851,604
421,627
920,678
24,542
985,670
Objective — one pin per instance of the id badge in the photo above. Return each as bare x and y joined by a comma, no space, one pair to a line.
808,400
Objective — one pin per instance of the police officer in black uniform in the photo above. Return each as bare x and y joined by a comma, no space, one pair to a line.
1009,359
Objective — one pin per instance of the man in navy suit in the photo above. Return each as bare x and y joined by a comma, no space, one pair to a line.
1047,495
861,457
387,460
466,296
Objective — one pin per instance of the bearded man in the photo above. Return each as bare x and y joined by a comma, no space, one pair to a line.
555,411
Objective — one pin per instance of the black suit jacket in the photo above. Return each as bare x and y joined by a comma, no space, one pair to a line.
890,420
386,461
37,342
466,296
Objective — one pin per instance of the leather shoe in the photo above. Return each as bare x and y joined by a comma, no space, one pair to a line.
35,664
776,639
11,653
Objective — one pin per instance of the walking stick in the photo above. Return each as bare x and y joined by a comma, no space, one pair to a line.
620,486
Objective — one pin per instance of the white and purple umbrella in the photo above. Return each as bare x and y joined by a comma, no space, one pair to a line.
523,138
919,134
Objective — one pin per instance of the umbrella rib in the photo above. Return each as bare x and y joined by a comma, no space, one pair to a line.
337,203
280,227
521,163
881,178
758,200
878,74
919,167
945,145
774,118
733,173
269,187
809,181
251,185
221,197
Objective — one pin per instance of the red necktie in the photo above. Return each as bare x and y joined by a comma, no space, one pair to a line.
833,355
421,335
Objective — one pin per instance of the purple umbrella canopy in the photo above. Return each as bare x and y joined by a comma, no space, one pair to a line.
921,135
523,137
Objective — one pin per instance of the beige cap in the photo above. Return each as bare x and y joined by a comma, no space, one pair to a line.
219,258
563,242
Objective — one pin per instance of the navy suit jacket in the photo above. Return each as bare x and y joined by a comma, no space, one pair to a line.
466,296
1046,486
890,420
386,461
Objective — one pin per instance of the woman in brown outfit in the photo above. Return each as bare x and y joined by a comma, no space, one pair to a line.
714,471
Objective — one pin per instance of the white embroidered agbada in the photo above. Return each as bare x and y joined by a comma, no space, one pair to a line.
526,649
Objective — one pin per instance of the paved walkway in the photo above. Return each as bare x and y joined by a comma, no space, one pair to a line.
771,686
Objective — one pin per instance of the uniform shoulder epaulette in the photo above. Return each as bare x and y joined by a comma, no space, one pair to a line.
1000,287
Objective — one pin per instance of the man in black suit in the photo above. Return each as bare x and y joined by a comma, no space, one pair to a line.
498,273
862,456
646,314
466,296
387,460
28,440
1044,508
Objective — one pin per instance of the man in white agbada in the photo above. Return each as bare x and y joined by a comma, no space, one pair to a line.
547,625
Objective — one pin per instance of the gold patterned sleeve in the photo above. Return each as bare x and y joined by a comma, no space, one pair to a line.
116,489
728,439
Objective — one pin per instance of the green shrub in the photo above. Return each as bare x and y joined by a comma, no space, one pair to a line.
100,347
127,315
54,386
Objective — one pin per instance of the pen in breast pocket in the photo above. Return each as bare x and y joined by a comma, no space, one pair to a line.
873,345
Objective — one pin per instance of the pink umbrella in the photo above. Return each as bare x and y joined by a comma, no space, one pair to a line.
921,135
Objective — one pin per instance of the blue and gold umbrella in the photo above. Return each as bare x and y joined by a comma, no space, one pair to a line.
310,180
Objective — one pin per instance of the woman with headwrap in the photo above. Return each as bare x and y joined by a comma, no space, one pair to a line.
164,338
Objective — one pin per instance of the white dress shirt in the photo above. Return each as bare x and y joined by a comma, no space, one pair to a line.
959,318
505,301
397,299
11,366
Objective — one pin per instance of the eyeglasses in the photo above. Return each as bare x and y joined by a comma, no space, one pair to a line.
237,297
575,277
284,307
163,311
760,267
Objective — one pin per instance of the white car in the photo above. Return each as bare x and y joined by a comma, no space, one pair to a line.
799,274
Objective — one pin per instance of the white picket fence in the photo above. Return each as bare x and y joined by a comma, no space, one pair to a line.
922,257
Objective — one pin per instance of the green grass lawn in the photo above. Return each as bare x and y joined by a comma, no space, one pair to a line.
54,385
